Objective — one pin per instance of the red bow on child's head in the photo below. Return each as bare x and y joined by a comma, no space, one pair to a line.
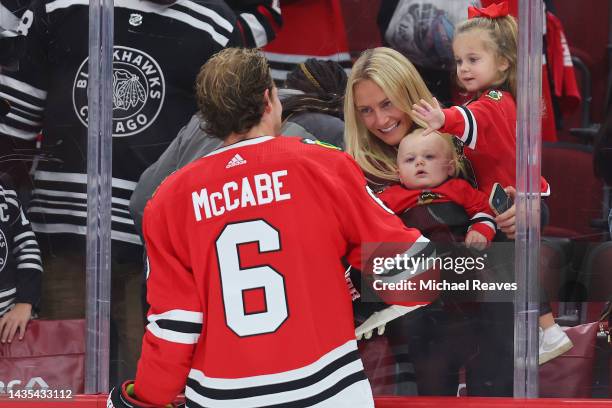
495,10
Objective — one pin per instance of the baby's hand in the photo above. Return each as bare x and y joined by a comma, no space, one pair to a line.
432,115
476,240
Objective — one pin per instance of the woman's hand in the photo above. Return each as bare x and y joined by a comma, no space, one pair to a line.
476,240
14,320
430,114
506,221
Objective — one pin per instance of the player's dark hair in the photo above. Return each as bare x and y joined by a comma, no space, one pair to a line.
323,84
230,91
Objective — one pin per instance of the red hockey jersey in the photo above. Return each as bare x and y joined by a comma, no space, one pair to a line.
557,61
248,296
476,205
487,126
311,29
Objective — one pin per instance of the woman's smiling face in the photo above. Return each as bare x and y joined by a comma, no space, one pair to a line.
378,114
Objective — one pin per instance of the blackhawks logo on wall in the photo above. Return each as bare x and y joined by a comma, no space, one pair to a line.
138,91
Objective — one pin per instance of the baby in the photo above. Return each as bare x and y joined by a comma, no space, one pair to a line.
428,169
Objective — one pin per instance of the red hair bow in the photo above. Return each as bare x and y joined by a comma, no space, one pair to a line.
495,10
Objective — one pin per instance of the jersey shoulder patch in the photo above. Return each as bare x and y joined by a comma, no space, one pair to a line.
495,95
319,143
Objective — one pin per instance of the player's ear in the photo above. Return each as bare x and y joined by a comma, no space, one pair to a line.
268,100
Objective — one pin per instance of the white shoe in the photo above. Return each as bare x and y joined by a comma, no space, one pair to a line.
553,343
379,319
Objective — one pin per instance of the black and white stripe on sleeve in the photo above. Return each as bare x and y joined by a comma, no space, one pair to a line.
258,20
415,262
177,326
7,300
24,119
27,252
470,132
484,219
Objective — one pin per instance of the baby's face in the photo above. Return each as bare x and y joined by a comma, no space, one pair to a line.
424,161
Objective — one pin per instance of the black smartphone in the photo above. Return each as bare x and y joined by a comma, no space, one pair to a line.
499,200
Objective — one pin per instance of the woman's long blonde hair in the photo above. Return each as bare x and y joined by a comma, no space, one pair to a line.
403,85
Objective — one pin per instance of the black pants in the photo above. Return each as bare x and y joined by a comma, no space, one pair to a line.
491,372
442,338
439,340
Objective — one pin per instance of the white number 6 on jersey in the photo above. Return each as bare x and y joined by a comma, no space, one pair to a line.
234,280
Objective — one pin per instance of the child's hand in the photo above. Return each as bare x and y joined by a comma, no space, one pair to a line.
506,221
13,320
476,240
432,115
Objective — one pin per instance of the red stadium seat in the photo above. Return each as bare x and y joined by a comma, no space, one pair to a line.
576,194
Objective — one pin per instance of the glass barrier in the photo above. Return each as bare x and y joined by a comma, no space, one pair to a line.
527,301
100,178
43,199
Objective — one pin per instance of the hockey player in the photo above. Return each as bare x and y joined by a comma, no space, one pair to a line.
159,46
249,302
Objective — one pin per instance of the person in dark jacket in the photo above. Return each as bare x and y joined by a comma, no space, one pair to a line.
316,110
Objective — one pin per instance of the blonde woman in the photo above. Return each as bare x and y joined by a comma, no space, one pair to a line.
441,337
380,92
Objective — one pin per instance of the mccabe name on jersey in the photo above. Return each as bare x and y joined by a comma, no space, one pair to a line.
259,189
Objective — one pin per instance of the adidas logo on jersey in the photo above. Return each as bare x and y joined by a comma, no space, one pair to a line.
237,160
